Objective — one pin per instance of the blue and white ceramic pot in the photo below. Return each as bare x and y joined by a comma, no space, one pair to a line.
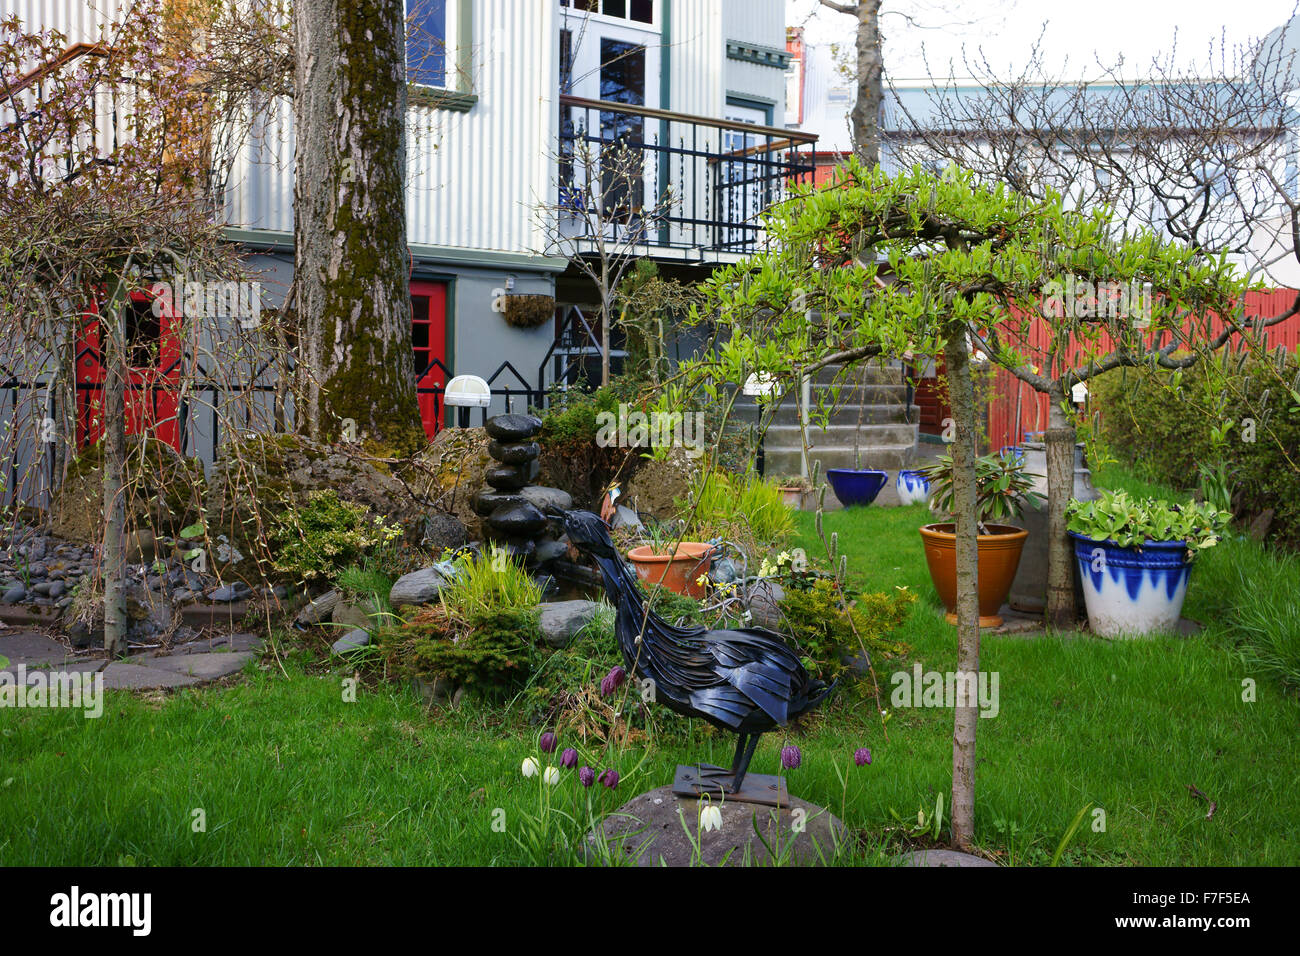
1131,591
913,487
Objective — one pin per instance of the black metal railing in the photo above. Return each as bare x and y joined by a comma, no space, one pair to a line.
673,180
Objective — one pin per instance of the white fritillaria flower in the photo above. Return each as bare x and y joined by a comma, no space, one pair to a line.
530,767
552,776
710,818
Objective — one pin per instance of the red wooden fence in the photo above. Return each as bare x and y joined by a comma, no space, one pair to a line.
1003,426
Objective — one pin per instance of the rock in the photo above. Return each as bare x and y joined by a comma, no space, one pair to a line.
523,548
658,484
353,615
83,634
43,589
451,469
163,491
14,595
559,621
515,453
943,858
765,599
419,587
442,530
37,570
56,589
459,697
513,427
224,594
510,477
1260,525
652,821
183,596
486,500
625,517
318,610
351,641
550,549
519,521
547,498
141,547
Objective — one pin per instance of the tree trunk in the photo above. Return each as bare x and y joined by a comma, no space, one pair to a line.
350,253
1060,440
870,70
113,550
961,387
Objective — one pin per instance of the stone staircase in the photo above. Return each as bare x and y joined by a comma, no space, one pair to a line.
871,405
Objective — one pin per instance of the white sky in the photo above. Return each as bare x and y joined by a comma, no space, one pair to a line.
1076,32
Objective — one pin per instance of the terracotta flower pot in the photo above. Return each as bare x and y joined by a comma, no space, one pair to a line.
792,496
676,571
999,557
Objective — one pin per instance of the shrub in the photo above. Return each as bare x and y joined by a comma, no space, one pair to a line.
824,628
1171,428
490,651
324,535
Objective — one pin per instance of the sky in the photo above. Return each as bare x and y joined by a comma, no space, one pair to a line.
1076,33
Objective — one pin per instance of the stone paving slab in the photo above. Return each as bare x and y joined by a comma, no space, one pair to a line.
204,667
30,672
944,858
122,675
28,648
218,642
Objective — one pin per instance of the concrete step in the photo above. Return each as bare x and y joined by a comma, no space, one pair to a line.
836,436
785,461
863,374
882,414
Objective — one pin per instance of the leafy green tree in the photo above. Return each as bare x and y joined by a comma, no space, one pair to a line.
917,264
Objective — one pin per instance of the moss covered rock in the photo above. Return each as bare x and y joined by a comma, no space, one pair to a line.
451,470
163,491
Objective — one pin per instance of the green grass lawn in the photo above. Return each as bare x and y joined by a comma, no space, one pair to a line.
287,772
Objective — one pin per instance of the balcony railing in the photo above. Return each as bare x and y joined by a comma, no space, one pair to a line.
673,180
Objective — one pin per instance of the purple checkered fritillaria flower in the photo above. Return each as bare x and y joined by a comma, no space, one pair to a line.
609,778
612,681
790,757
549,742
569,758
586,776
862,756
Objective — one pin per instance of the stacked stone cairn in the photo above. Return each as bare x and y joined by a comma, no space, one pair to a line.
514,510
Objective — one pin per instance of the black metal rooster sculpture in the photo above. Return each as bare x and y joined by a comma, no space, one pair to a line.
747,681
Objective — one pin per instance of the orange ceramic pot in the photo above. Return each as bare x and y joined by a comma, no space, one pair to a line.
676,571
999,557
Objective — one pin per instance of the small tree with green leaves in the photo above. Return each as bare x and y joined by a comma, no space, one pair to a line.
917,264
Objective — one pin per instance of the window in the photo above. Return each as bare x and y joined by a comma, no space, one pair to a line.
638,11
426,42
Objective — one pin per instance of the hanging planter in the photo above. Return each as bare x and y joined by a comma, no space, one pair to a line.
528,311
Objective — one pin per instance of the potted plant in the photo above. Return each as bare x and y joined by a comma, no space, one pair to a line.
913,486
676,565
857,485
1135,556
1002,488
794,489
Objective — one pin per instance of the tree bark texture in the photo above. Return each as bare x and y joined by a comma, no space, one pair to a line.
350,254
1060,441
966,715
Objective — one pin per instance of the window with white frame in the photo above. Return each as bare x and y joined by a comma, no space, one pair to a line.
637,11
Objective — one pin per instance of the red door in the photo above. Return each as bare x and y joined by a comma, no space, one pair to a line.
153,349
429,339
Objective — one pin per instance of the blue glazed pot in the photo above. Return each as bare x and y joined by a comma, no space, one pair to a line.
1017,450
913,487
1132,591
853,487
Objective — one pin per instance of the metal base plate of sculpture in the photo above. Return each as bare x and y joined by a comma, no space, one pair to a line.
706,780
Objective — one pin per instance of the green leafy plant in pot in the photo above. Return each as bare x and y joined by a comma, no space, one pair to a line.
1002,489
1135,555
